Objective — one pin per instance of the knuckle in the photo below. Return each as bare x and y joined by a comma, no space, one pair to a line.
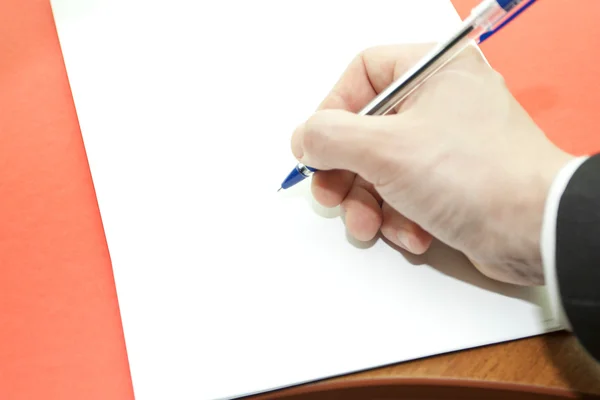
472,59
367,51
498,78
472,53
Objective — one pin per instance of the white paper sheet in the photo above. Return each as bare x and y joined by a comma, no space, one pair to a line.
225,286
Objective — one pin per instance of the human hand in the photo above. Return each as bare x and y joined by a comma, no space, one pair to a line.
460,160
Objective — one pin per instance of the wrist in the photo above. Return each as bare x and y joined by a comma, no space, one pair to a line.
514,228
548,166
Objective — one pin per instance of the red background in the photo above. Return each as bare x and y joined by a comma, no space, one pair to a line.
60,328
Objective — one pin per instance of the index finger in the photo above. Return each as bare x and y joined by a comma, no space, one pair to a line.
370,72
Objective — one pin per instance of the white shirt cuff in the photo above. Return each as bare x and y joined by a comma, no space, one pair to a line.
548,238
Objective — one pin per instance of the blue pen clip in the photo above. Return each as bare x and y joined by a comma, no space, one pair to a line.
510,17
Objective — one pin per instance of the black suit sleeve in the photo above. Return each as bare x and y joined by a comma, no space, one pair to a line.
578,253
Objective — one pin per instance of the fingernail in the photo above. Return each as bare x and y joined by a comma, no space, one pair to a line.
405,240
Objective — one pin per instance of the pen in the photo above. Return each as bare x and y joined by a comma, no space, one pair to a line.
484,20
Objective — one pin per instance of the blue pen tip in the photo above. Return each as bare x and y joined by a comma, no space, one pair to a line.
293,178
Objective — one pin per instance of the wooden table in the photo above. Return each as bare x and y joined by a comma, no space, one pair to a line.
554,360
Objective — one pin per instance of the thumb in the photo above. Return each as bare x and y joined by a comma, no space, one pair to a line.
337,139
